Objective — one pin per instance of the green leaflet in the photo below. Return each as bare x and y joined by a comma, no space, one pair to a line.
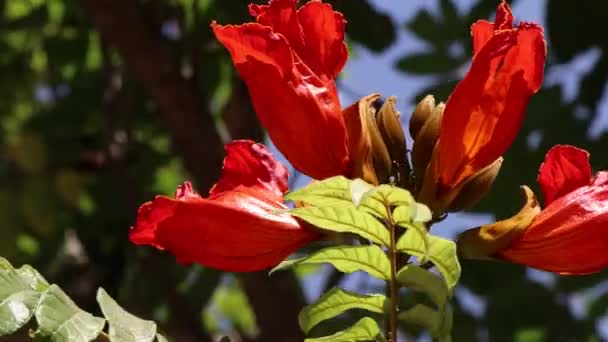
161,338
335,302
59,319
18,299
329,192
441,252
413,213
124,327
33,278
424,281
437,322
376,200
366,329
345,219
347,259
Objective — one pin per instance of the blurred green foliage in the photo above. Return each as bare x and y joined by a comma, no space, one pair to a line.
82,145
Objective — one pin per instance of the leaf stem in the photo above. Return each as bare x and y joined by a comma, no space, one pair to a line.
393,286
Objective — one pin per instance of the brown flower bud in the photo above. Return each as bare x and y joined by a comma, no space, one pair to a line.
381,158
485,241
425,141
475,187
390,127
421,113
370,157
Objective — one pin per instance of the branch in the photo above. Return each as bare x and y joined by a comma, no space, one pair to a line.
276,300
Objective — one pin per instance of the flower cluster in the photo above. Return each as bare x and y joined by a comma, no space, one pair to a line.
290,58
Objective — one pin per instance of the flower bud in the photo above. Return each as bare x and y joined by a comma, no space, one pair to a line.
381,158
485,241
421,113
390,127
474,188
370,157
425,140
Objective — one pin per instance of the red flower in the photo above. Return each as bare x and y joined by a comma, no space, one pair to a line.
289,60
237,228
486,109
569,236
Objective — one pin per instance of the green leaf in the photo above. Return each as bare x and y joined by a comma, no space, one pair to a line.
329,192
59,319
18,299
358,188
424,281
124,327
335,302
366,329
347,259
376,200
441,252
345,219
31,276
161,338
414,213
437,322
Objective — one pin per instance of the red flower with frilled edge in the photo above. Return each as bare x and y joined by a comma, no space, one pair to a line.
289,60
569,236
485,111
237,228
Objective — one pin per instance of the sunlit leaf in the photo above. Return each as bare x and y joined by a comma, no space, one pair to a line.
366,329
441,252
335,302
347,259
358,189
414,213
18,299
124,327
377,199
161,338
32,277
427,282
345,219
328,192
59,319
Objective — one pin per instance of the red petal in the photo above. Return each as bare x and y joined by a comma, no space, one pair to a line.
483,30
282,17
250,164
300,111
570,236
324,36
238,228
565,169
485,111
504,17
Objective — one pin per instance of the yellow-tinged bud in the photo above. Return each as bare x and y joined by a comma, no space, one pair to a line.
425,141
485,241
421,113
475,187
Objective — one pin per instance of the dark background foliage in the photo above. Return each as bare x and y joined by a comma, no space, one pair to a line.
106,103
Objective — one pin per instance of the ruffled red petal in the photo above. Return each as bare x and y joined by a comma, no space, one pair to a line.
239,228
570,236
300,111
485,111
565,169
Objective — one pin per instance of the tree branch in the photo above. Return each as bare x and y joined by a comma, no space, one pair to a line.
276,300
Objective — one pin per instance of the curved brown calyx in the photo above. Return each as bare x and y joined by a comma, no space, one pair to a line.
485,241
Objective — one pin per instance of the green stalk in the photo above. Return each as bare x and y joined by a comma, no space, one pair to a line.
393,286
